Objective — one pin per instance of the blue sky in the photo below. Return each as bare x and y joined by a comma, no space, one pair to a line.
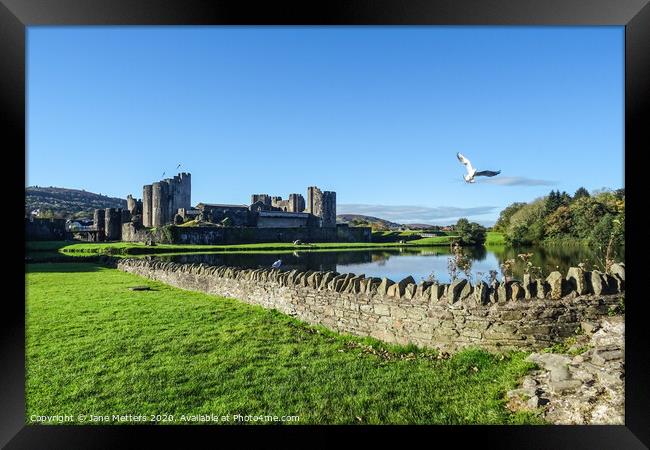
376,114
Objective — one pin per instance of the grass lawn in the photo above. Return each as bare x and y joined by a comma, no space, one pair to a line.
95,347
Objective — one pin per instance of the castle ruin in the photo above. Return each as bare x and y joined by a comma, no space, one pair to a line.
162,200
266,219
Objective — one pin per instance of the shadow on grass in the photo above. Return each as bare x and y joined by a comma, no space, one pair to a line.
63,267
46,246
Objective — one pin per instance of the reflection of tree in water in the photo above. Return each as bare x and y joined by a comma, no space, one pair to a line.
549,258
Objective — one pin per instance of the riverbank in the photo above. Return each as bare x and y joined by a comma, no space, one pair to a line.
132,248
94,345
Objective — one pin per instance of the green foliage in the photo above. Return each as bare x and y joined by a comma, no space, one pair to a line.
168,233
504,217
172,351
495,238
470,233
596,220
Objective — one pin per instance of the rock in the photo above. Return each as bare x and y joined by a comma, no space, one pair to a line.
564,386
401,286
542,288
589,327
618,269
602,357
615,283
438,291
576,279
454,290
504,292
596,282
517,290
556,364
557,285
533,402
466,292
422,288
386,283
481,293
530,287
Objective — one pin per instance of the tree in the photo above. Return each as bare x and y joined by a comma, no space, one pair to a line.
553,201
470,233
581,192
505,216
559,222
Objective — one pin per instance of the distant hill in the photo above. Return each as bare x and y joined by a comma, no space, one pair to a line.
359,219
421,226
67,203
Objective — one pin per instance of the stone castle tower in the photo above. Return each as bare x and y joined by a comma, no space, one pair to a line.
322,204
162,199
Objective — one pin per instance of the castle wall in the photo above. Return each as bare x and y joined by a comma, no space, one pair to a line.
159,204
185,195
99,219
243,235
147,205
45,229
131,204
447,317
113,224
264,198
296,203
328,209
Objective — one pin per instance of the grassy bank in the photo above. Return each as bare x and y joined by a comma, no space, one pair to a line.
95,347
132,248
495,238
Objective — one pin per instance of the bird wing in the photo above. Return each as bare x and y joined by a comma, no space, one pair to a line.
466,162
487,173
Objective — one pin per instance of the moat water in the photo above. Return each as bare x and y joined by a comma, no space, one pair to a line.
399,263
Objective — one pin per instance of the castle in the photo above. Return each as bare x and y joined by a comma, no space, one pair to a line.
168,202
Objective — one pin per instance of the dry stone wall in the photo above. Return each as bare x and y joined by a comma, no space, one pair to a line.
529,315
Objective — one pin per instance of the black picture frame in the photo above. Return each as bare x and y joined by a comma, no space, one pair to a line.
16,15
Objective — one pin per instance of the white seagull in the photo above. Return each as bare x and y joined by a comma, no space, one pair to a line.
471,171
276,264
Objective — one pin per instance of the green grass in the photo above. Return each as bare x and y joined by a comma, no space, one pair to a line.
95,347
495,238
133,248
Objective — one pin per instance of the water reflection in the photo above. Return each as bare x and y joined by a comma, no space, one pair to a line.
398,263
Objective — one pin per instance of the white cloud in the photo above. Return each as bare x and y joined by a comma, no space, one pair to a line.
518,181
440,215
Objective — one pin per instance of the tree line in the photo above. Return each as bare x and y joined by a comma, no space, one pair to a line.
597,219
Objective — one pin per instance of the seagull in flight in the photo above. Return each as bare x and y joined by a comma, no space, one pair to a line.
277,264
471,171
177,166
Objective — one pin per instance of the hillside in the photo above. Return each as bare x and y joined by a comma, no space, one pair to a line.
67,203
358,219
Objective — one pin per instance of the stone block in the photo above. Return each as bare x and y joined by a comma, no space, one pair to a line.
558,285
454,290
618,269
383,287
596,282
481,293
577,280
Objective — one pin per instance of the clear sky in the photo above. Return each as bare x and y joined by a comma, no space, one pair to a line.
376,114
